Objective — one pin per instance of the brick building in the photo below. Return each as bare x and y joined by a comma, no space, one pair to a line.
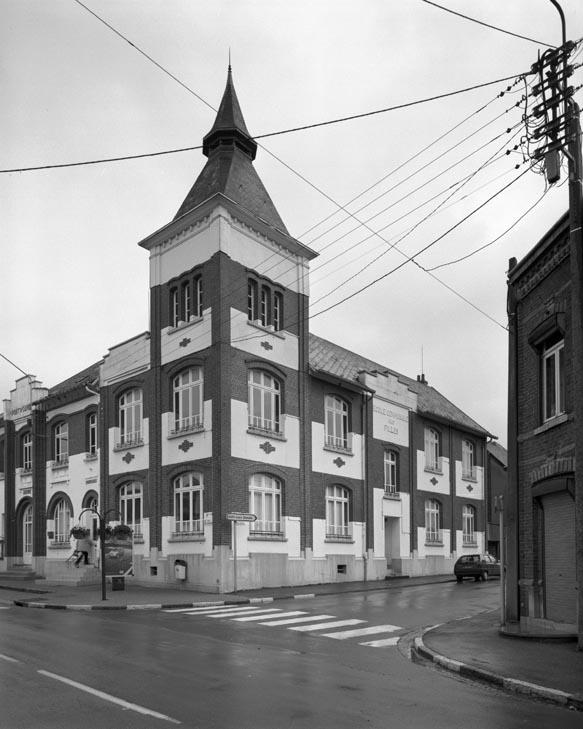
541,506
496,483
229,404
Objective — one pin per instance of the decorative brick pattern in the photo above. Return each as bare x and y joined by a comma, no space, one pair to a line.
267,447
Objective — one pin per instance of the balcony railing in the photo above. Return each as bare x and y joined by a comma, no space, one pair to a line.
470,473
192,526
435,465
469,539
265,425
339,442
186,425
129,440
433,536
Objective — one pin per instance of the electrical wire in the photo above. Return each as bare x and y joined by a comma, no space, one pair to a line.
13,364
487,25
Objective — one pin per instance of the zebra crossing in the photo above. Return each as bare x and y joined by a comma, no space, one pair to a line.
300,621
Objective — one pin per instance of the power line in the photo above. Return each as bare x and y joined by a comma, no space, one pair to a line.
122,158
487,25
12,363
422,250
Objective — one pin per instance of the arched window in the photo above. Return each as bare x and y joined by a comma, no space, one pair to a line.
391,463
433,532
130,506
468,460
130,417
265,502
337,511
62,516
469,524
61,443
188,513
264,402
432,460
188,399
336,422
27,451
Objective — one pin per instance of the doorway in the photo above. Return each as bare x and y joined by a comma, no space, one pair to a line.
27,535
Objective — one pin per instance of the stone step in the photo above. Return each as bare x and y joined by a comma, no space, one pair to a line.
19,572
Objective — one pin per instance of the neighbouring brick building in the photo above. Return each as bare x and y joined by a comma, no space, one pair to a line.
228,404
496,482
540,511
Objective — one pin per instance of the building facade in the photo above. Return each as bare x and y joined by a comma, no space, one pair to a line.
228,404
496,482
540,511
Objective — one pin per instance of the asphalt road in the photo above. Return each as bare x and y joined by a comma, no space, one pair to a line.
252,668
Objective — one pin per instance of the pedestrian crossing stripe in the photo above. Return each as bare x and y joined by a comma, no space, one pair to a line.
297,620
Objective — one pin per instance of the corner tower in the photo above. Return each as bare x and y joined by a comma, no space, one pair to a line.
229,362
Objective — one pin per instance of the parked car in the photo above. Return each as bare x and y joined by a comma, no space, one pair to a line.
478,566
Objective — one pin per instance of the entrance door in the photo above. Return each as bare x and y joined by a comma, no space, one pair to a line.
392,541
27,535
559,553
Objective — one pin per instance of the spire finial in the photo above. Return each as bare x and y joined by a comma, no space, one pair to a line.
229,59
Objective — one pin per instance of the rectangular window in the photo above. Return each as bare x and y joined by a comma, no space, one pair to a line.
553,381
264,309
187,301
92,434
277,311
252,300
433,533
130,417
469,525
432,460
62,443
468,460
197,296
265,503
27,452
391,472
174,308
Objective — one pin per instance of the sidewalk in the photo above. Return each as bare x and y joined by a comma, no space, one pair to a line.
545,668
473,647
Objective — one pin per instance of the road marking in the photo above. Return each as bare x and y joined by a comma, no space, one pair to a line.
216,606
223,611
370,630
108,697
240,611
8,658
383,642
289,614
309,618
324,626
246,619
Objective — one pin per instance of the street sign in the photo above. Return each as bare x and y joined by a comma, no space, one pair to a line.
239,516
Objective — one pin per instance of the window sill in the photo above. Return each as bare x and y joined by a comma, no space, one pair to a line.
472,479
183,324
472,544
128,446
186,431
433,544
337,539
275,434
429,469
56,465
138,539
267,537
268,330
338,449
24,471
551,423
187,537
90,457
392,495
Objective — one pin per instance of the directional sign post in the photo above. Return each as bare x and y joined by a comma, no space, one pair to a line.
234,517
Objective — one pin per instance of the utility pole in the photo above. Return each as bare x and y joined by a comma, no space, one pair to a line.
499,507
560,133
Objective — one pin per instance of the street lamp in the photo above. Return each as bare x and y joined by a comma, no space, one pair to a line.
102,524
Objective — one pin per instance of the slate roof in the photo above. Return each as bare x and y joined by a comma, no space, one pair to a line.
334,360
499,452
229,169
86,377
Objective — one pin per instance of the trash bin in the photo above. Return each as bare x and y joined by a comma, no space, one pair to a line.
118,582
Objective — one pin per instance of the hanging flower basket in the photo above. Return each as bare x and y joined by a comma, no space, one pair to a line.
79,532
121,531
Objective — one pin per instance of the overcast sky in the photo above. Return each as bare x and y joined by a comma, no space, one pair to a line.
74,282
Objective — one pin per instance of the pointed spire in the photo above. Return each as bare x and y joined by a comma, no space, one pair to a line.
229,128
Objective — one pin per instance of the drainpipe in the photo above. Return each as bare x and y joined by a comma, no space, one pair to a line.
365,490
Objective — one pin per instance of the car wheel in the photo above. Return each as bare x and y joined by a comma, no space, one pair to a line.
459,578
485,576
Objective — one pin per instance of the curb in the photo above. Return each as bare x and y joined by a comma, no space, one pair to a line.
159,606
570,701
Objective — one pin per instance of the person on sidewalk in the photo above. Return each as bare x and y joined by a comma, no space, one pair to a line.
83,548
